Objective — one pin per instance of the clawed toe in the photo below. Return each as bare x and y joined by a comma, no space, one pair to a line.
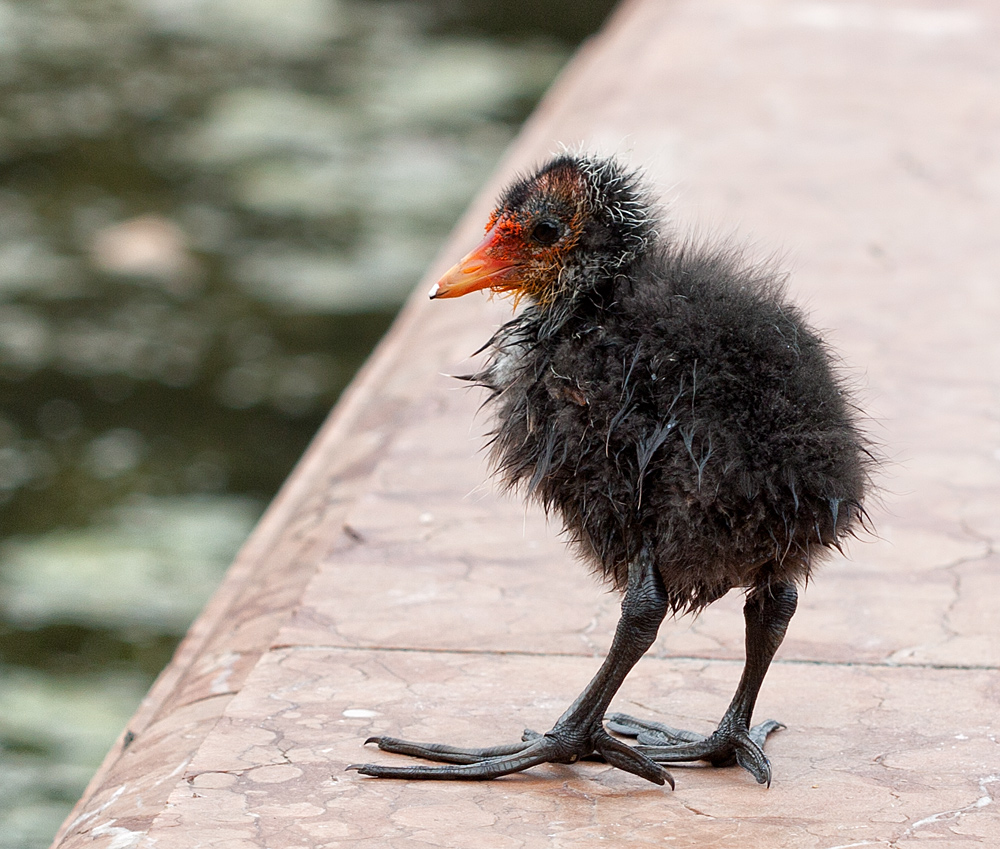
618,754
445,754
648,732
760,732
751,757
469,764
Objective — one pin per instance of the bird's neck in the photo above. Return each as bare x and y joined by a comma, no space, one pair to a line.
583,296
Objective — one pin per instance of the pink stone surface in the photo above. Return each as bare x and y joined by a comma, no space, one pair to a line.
391,589
265,774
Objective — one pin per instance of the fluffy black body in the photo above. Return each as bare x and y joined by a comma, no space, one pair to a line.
683,406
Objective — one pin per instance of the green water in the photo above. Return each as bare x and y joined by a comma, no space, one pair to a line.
210,210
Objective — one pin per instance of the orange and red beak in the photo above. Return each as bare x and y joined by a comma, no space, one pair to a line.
479,269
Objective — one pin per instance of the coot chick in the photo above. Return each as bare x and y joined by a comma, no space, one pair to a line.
683,421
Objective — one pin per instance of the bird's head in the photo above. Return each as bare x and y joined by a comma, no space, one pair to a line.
567,228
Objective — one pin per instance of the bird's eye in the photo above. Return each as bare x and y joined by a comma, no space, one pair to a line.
546,232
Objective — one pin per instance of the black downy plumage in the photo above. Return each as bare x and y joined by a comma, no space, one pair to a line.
683,421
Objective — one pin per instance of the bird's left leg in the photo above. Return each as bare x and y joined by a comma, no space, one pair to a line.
767,612
579,733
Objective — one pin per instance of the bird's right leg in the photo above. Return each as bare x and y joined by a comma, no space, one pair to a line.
767,612
579,733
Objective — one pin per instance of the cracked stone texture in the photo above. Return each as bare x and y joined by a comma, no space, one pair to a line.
390,589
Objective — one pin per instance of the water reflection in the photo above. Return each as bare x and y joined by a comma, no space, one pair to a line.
209,212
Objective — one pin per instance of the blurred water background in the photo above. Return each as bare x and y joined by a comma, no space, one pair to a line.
210,210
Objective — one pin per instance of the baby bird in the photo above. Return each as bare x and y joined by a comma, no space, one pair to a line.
685,424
